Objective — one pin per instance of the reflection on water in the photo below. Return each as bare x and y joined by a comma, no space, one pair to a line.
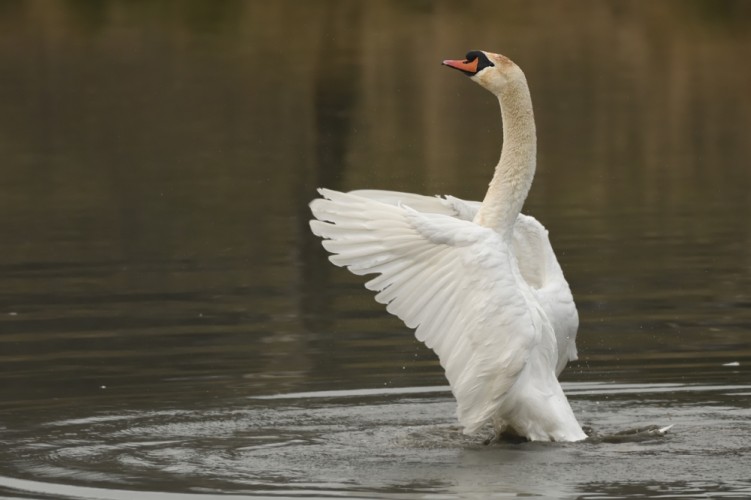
159,276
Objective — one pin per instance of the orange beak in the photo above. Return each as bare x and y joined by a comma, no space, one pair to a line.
467,67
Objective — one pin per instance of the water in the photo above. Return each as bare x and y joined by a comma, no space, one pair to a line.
387,443
169,328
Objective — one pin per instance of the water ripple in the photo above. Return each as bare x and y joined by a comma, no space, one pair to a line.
387,443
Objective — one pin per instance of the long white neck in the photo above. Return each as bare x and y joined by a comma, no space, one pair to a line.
515,170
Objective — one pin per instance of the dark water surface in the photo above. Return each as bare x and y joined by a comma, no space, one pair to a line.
169,328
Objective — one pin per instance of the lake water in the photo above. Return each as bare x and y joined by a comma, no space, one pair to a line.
169,328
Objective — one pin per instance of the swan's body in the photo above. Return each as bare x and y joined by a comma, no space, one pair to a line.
479,281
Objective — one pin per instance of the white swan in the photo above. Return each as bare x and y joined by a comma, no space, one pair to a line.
478,281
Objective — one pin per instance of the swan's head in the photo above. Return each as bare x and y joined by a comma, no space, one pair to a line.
492,71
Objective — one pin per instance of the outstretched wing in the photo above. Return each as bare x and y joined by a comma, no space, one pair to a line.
452,280
539,266
534,254
447,205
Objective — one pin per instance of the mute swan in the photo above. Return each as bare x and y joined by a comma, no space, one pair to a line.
479,281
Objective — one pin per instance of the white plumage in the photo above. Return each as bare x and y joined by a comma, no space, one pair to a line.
478,281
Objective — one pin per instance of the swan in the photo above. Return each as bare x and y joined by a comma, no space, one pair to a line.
479,282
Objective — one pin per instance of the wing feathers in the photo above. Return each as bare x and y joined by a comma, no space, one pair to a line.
450,279
410,297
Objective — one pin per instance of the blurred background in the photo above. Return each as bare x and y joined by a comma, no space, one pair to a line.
157,159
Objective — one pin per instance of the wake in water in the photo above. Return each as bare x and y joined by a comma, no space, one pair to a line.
636,435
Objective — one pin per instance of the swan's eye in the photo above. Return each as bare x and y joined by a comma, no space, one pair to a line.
482,60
